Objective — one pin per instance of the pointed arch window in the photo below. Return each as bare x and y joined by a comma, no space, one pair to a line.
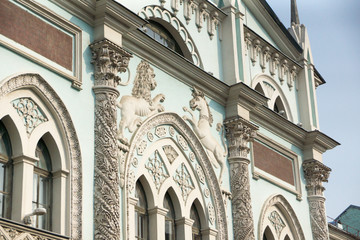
169,219
5,173
194,215
141,215
42,190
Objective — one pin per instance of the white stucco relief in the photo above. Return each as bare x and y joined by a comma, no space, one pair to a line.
140,103
202,129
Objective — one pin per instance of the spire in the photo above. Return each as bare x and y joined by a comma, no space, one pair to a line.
294,13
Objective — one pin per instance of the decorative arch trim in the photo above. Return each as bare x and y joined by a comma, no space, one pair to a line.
175,121
287,211
37,84
272,90
157,12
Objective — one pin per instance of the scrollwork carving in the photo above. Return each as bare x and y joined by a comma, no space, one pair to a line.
157,169
183,179
277,222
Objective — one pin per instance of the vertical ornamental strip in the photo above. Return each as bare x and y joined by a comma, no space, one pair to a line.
109,60
316,173
239,133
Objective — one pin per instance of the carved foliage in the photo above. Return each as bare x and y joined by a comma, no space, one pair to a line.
239,133
183,179
241,201
277,222
30,113
318,218
109,60
315,173
156,168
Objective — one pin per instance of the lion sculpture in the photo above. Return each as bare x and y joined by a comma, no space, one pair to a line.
140,103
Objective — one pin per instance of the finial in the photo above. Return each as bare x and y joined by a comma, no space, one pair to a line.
294,13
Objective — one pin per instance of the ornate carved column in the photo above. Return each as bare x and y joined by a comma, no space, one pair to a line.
239,133
316,173
109,60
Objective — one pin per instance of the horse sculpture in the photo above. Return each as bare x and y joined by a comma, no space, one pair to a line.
201,128
140,103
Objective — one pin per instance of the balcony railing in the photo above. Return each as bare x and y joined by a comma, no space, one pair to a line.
10,230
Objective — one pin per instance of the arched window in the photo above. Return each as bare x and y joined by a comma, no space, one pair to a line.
42,190
141,216
268,234
169,218
279,107
156,31
5,173
194,215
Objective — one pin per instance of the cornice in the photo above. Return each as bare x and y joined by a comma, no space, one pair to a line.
82,9
242,94
175,65
274,27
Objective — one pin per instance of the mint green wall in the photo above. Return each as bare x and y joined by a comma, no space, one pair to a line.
80,104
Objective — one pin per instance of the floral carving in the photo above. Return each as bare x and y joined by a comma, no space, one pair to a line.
170,153
315,174
157,169
160,131
182,142
183,179
131,182
171,131
30,113
139,104
202,128
150,136
141,147
239,133
277,222
36,82
211,212
200,174
192,156
109,60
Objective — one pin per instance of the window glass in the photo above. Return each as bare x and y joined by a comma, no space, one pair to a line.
42,186
169,218
196,225
141,219
5,173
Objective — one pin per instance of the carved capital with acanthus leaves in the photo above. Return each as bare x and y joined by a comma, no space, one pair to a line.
315,174
239,132
109,60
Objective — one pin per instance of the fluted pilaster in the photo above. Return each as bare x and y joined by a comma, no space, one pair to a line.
109,60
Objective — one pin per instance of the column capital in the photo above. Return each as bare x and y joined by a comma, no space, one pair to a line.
109,60
239,133
315,174
158,211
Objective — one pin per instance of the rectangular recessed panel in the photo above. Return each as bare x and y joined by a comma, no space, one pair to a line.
35,34
272,162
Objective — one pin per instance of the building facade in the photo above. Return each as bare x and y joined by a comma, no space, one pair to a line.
158,119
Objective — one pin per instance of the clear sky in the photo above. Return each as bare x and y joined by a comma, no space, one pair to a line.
334,31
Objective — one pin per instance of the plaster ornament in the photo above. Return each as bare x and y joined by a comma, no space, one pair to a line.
200,174
182,142
131,182
150,136
141,147
160,131
30,113
277,222
140,103
192,156
171,131
183,179
156,168
202,129
170,153
211,212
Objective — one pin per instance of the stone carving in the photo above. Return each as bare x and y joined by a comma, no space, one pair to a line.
206,192
315,174
16,232
30,113
200,174
192,156
141,147
150,136
239,133
170,153
157,169
183,179
135,162
171,131
214,191
202,130
35,81
140,103
277,222
109,60
131,182
160,131
182,142
226,196
211,212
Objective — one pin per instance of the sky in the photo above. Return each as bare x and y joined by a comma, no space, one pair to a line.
334,31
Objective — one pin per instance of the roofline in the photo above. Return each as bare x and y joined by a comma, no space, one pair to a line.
281,25
319,75
350,206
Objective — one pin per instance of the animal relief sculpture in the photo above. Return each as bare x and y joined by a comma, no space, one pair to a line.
202,129
140,103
